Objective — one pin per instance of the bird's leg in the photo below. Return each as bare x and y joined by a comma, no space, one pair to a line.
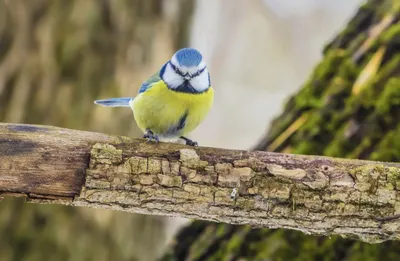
149,135
189,141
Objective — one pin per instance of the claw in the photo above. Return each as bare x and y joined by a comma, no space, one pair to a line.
149,135
192,143
189,141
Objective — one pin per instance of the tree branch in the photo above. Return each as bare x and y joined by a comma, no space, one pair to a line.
313,194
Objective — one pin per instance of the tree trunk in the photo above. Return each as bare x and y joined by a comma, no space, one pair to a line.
349,107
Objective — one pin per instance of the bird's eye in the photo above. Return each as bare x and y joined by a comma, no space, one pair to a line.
198,72
175,68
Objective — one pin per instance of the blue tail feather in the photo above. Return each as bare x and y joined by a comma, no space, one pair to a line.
115,102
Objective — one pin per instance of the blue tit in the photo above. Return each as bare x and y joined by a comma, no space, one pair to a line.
174,101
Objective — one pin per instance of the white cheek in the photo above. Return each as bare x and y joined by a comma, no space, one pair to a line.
174,60
172,79
201,83
202,64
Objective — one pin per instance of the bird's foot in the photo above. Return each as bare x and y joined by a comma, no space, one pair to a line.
149,135
189,141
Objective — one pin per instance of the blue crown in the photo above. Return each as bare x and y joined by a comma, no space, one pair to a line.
188,57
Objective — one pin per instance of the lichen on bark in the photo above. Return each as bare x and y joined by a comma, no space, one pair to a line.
316,195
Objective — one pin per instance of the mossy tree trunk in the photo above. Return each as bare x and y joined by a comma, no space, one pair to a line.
56,57
349,107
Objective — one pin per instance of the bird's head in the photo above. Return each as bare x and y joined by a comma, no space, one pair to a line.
186,72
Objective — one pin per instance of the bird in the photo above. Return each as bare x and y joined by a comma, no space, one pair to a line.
173,101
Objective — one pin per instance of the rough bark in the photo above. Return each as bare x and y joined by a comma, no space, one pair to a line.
349,108
317,195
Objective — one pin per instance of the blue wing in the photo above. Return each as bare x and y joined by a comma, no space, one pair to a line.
153,79
124,101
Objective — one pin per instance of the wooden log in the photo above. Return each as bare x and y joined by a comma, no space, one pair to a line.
313,194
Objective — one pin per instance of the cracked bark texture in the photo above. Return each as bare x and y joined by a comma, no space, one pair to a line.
317,195
313,194
348,108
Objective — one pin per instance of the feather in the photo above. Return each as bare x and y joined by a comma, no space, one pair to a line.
188,57
147,84
115,102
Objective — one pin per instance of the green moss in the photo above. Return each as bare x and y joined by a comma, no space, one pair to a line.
220,231
323,122
355,26
369,174
339,145
310,95
388,69
338,87
106,154
393,176
305,147
388,148
245,203
355,44
234,244
390,97
313,125
391,36
202,242
365,144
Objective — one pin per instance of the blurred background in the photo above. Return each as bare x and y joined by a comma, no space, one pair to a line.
57,56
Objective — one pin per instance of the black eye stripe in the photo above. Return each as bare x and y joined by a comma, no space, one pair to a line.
198,72
182,74
176,69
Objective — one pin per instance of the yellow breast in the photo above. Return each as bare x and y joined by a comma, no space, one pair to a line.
169,113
